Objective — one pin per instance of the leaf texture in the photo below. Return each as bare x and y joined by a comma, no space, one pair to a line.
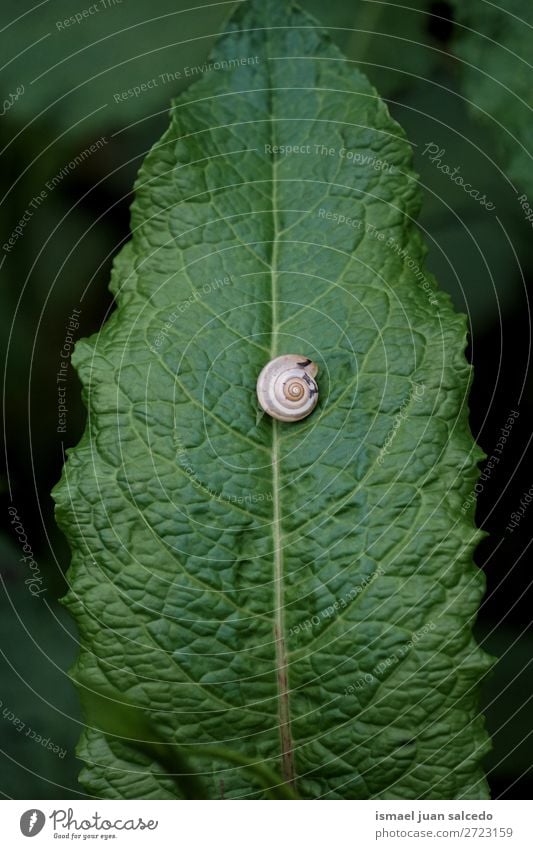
251,593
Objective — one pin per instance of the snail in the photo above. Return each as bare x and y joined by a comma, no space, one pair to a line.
286,388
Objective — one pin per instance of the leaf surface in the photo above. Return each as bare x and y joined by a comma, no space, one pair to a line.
300,595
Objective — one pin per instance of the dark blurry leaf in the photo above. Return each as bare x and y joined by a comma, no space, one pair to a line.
472,251
498,79
107,67
39,711
508,700
390,40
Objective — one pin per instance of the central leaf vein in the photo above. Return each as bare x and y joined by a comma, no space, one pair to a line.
282,669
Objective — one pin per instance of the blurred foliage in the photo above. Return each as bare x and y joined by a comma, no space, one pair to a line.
392,42
73,73
469,92
38,643
507,698
474,251
495,45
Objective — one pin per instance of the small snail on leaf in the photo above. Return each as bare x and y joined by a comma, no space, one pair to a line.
286,388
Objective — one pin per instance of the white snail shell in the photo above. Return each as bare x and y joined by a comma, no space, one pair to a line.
286,388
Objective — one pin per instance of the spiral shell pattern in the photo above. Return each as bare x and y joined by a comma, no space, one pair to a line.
286,388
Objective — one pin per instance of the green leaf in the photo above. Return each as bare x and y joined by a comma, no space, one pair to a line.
115,717
495,46
300,594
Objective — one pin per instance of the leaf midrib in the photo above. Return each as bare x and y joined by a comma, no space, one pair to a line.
282,677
